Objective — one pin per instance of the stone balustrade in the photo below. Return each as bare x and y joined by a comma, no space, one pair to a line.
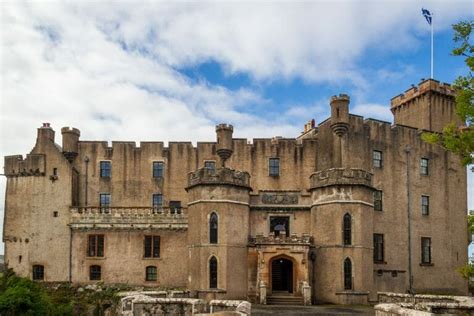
293,239
220,176
340,176
128,218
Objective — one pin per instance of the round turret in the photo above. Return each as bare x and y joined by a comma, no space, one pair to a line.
340,114
224,141
70,142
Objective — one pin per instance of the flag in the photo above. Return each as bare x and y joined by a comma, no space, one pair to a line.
427,15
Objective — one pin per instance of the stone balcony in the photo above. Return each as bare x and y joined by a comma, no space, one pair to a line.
281,239
220,176
128,218
340,176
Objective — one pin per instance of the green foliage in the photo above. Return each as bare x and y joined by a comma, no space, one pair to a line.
460,140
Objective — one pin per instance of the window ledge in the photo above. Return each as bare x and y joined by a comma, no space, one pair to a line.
96,258
151,258
426,264
380,262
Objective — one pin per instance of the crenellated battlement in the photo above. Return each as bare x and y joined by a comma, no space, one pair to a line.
422,88
72,130
220,176
340,176
32,165
340,97
223,126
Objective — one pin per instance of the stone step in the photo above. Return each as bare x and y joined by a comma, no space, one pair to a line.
285,300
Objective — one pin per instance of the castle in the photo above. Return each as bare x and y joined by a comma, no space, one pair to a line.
351,207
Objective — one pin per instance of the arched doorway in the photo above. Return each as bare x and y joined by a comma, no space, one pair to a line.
282,275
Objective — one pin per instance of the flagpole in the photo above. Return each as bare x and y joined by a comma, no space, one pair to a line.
432,21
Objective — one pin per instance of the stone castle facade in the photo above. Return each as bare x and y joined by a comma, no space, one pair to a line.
349,208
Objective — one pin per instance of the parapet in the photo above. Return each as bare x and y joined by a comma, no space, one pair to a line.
220,176
32,165
340,176
341,97
71,130
423,87
227,127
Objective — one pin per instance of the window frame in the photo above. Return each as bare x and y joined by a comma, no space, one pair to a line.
379,160
213,231
378,203
213,273
424,260
211,170
98,271
156,206
424,169
274,169
425,208
347,279
379,251
105,196
153,250
93,248
158,169
177,208
347,230
151,274
37,275
105,173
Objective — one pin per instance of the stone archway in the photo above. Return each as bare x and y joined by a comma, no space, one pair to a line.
282,275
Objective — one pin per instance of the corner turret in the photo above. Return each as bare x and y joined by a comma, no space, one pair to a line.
340,114
70,142
224,142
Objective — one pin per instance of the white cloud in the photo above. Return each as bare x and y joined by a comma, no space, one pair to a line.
376,111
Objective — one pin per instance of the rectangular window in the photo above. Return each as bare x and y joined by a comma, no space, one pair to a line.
378,205
425,250
424,166
105,169
425,205
38,272
378,248
377,159
175,207
151,273
158,167
95,247
279,224
152,247
95,273
157,202
104,202
210,166
274,167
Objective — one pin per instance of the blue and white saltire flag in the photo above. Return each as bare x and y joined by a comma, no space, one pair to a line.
427,15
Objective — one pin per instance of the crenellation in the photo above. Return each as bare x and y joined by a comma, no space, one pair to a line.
32,165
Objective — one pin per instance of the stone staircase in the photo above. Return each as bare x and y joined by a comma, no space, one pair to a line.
285,300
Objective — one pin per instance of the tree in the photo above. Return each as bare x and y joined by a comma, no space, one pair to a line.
460,139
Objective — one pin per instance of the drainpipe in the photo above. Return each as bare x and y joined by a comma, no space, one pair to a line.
410,272
86,160
70,254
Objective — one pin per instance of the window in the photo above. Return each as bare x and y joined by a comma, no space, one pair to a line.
213,228
378,200
152,247
425,205
213,273
175,207
210,166
104,202
377,159
347,274
347,229
378,248
274,167
55,171
158,169
424,166
105,169
157,202
95,247
95,273
151,273
425,250
38,272
279,224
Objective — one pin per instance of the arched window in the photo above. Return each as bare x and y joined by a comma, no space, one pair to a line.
347,229
213,273
151,274
347,274
213,228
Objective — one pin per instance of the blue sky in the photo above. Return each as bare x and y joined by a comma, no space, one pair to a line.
171,71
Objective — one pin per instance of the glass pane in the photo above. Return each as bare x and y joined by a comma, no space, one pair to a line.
148,241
